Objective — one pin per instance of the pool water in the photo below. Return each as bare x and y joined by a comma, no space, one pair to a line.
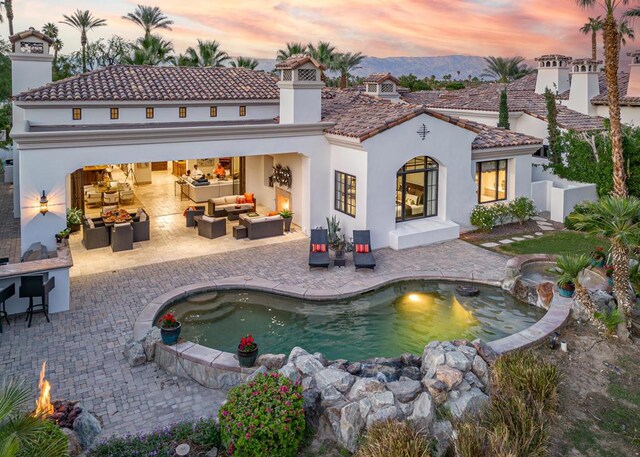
402,317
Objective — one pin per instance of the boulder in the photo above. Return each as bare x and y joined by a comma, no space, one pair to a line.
73,444
311,407
409,359
256,373
364,387
381,400
473,380
545,294
437,389
295,353
431,358
447,346
469,351
404,409
469,402
405,391
289,371
354,368
449,375
480,369
271,361
485,351
340,364
457,360
308,365
149,343
330,394
87,428
134,354
341,380
351,426
424,411
386,372
321,358
443,433
365,407
390,412
411,372
463,386
603,301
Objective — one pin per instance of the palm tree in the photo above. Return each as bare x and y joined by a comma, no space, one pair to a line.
245,62
324,52
618,219
505,69
83,21
593,27
611,59
292,49
569,269
345,63
149,18
206,54
624,32
8,9
51,30
150,50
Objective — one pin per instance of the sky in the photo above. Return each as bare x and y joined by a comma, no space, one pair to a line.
380,28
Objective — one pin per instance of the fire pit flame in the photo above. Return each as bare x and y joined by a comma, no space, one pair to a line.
44,408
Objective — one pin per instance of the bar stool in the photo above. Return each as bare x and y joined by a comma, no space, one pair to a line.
5,294
32,287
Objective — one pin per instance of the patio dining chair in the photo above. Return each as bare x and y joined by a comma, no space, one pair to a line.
110,198
319,249
362,255
6,294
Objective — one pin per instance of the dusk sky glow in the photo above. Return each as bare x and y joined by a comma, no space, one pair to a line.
258,28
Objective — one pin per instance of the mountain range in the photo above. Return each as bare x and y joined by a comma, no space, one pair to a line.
420,66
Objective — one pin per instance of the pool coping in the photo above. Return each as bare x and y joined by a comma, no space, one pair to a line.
188,358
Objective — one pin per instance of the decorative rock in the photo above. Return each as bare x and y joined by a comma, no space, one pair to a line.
390,412
149,343
340,364
469,351
271,361
354,368
289,371
447,346
443,433
469,402
134,354
459,343
545,294
321,358
364,387
381,400
182,449
405,391
480,369
295,353
404,409
454,395
467,291
259,371
473,380
307,382
463,386
308,365
430,359
365,407
388,373
603,301
409,359
424,411
410,372
437,389
87,428
351,425
485,351
73,444
213,452
457,360
311,406
330,394
449,375
341,380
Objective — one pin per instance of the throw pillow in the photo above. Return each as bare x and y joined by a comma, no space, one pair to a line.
143,217
362,248
248,198
91,224
318,247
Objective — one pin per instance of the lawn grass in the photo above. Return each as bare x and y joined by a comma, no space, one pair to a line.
565,242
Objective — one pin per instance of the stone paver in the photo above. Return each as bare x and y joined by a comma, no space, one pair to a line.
518,238
489,245
83,347
507,241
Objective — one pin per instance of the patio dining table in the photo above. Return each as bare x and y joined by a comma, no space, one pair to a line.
119,216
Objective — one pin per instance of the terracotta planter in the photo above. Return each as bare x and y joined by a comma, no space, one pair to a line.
247,359
566,290
170,335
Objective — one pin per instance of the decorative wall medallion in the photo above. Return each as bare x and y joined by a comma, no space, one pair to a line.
282,175
423,131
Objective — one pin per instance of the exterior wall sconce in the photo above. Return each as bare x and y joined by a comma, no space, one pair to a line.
44,204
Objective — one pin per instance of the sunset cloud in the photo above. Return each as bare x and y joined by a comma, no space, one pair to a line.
258,28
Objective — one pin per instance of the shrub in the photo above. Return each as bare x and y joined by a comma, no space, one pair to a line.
48,440
522,209
610,319
577,209
263,417
202,434
483,217
395,439
501,213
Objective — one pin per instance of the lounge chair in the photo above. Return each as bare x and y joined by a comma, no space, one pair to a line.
362,241
319,258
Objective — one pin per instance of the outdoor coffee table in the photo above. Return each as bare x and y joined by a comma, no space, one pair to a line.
233,214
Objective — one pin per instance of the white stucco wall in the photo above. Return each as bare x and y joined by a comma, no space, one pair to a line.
533,126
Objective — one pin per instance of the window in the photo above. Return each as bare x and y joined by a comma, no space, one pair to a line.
417,189
307,74
149,112
243,110
115,113
213,111
345,192
386,87
182,111
491,178
76,114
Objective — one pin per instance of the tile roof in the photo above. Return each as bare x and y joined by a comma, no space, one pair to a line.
521,97
623,84
28,33
139,83
380,78
361,116
298,60
422,97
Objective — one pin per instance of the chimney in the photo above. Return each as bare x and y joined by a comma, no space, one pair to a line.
553,73
31,61
300,90
584,85
382,85
633,89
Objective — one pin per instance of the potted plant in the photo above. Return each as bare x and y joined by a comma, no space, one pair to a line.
609,269
74,219
247,351
598,257
569,268
62,235
287,216
169,329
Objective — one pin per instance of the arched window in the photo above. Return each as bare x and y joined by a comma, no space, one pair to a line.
555,64
583,68
417,189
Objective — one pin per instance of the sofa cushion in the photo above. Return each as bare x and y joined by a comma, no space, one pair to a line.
208,218
91,224
272,218
230,199
219,201
143,217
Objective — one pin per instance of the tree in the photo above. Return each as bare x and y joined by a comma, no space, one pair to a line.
324,52
83,21
593,26
149,18
503,118
245,62
8,9
206,54
618,219
51,30
553,132
624,32
292,49
150,50
345,63
67,66
5,74
611,57
505,69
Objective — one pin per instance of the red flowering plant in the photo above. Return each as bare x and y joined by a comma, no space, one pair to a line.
598,254
168,321
247,344
609,269
264,417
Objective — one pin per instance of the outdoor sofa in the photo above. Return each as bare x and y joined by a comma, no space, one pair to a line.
262,226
